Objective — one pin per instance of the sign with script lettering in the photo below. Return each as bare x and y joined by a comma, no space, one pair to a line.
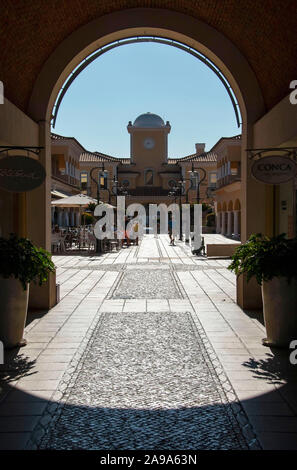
20,174
274,169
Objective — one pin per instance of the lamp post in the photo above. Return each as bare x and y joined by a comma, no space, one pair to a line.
119,190
97,182
195,172
179,190
111,192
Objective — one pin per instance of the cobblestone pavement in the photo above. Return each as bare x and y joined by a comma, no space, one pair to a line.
146,383
147,348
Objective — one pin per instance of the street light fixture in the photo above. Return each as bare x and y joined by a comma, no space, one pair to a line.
194,172
179,189
116,190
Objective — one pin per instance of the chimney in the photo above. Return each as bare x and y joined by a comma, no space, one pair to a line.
200,148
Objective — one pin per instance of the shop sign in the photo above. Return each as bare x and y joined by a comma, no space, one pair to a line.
274,169
20,174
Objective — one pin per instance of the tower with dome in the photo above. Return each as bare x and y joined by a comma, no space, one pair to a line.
149,146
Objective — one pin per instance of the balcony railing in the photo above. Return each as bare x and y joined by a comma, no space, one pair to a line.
228,179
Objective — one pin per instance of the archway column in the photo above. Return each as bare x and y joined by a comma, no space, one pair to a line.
60,216
39,200
72,222
53,214
229,223
77,218
252,195
66,217
236,223
223,223
218,226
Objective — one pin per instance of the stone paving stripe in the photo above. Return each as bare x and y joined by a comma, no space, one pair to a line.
154,389
147,285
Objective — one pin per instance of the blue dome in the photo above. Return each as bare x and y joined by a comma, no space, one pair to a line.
149,120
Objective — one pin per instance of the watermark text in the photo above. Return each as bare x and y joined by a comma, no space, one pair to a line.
293,94
1,353
293,354
160,218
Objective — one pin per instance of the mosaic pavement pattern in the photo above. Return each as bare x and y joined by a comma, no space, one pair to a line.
145,382
148,284
152,266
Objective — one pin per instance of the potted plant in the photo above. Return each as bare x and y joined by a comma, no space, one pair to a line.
273,262
20,263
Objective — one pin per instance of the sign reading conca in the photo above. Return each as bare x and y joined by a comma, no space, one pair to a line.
19,173
274,169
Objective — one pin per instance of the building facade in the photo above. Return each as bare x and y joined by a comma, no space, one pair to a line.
147,175
65,179
228,192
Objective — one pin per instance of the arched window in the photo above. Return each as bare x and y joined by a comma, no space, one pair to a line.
149,177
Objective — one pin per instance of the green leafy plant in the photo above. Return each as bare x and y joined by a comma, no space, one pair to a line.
91,206
20,259
264,258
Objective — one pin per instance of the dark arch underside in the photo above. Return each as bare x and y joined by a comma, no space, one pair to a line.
88,60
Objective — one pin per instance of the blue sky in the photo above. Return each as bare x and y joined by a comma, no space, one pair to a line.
137,78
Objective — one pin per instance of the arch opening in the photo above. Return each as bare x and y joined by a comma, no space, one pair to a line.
140,22
146,39
237,206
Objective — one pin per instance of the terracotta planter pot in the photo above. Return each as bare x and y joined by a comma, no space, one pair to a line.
280,311
13,312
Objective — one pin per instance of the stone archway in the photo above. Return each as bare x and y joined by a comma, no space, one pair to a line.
146,21
162,23
224,219
237,219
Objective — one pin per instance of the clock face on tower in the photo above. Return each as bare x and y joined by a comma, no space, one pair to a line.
148,143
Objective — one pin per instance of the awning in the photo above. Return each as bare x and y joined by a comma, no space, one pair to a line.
58,194
78,200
